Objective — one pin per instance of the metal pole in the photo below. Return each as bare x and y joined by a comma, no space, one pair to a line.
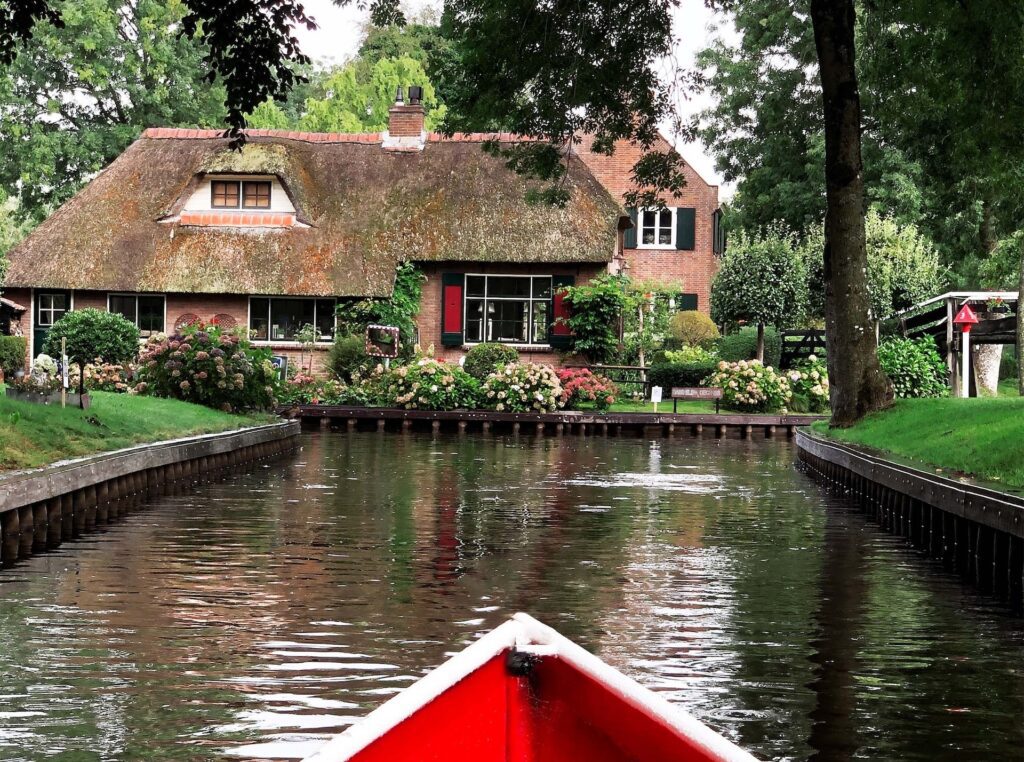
965,363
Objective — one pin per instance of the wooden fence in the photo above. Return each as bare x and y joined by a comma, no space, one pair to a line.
799,345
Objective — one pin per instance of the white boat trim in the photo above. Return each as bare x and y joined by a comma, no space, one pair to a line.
524,633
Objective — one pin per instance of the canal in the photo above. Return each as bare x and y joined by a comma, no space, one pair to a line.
252,618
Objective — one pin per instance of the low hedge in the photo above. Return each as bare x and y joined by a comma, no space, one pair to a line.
12,354
667,375
742,345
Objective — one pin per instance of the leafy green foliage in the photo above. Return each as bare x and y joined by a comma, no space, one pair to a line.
208,366
399,310
484,359
760,281
596,311
914,367
1002,269
93,335
690,353
13,227
751,387
13,350
691,328
347,357
742,345
76,96
808,380
646,317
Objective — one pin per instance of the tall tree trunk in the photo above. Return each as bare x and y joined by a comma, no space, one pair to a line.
857,383
760,342
1020,329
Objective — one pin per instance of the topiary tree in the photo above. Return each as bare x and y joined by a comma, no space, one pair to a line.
761,281
484,359
91,335
691,328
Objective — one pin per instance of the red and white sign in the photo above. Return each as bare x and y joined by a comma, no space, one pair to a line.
965,318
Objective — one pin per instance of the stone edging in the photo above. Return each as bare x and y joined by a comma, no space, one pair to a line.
40,508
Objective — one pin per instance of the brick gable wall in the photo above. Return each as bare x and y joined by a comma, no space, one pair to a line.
694,269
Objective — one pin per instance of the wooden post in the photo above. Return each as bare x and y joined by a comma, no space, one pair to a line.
770,432
748,430
486,427
540,428
10,537
381,422
351,424
698,429
462,427
406,425
53,516
721,431
41,527
325,422
27,531
435,426
515,427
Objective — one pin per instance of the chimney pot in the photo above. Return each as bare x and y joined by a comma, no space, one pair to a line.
415,95
405,120
398,96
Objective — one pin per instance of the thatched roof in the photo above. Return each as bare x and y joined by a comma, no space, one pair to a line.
364,209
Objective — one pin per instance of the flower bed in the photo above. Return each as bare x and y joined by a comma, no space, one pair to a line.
751,387
523,388
581,386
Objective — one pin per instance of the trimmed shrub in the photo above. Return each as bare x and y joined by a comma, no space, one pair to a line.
428,384
347,357
667,375
580,386
742,345
689,354
751,387
809,381
523,388
93,335
208,366
914,367
485,359
692,328
12,354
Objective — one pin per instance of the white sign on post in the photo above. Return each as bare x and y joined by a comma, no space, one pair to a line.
655,396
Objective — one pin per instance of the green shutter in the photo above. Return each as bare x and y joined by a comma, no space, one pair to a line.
559,335
453,295
629,238
686,223
687,302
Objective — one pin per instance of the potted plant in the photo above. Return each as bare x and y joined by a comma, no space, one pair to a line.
996,308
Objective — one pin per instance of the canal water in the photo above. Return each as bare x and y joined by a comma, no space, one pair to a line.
255,617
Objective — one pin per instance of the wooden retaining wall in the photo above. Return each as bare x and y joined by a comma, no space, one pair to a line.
974,530
565,422
42,508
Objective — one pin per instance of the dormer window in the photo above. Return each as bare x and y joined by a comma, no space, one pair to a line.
247,194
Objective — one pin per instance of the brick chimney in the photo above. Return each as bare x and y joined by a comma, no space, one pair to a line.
405,122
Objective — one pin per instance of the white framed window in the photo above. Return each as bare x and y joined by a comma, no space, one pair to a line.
50,307
147,311
511,309
657,229
280,318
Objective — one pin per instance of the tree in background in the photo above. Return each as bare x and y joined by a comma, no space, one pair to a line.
354,98
13,228
903,267
77,95
760,281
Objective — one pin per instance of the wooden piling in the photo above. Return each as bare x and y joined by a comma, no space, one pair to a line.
10,537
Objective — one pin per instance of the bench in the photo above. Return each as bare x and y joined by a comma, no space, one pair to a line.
696,393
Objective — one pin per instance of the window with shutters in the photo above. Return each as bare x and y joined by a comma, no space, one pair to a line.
507,308
657,229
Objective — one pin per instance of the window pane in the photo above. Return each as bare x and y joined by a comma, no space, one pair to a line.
258,309
665,236
287,316
124,306
224,194
475,285
508,287
665,218
256,195
474,320
151,314
507,321
325,318
540,322
650,218
542,288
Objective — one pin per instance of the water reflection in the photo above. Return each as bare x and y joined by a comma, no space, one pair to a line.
256,617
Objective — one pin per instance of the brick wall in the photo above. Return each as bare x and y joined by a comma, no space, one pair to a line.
429,320
694,269
22,296
405,121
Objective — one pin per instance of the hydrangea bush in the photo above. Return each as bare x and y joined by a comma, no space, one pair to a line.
523,388
42,377
914,367
751,387
108,377
209,366
581,386
429,384
808,379
305,389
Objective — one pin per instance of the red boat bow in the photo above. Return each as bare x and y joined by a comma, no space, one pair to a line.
524,693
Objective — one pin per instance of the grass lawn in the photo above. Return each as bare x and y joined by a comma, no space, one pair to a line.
685,406
33,435
979,437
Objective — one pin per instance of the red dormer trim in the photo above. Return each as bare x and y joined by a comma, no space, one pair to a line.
238,219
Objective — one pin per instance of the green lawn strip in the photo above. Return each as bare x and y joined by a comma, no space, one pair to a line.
33,435
977,437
